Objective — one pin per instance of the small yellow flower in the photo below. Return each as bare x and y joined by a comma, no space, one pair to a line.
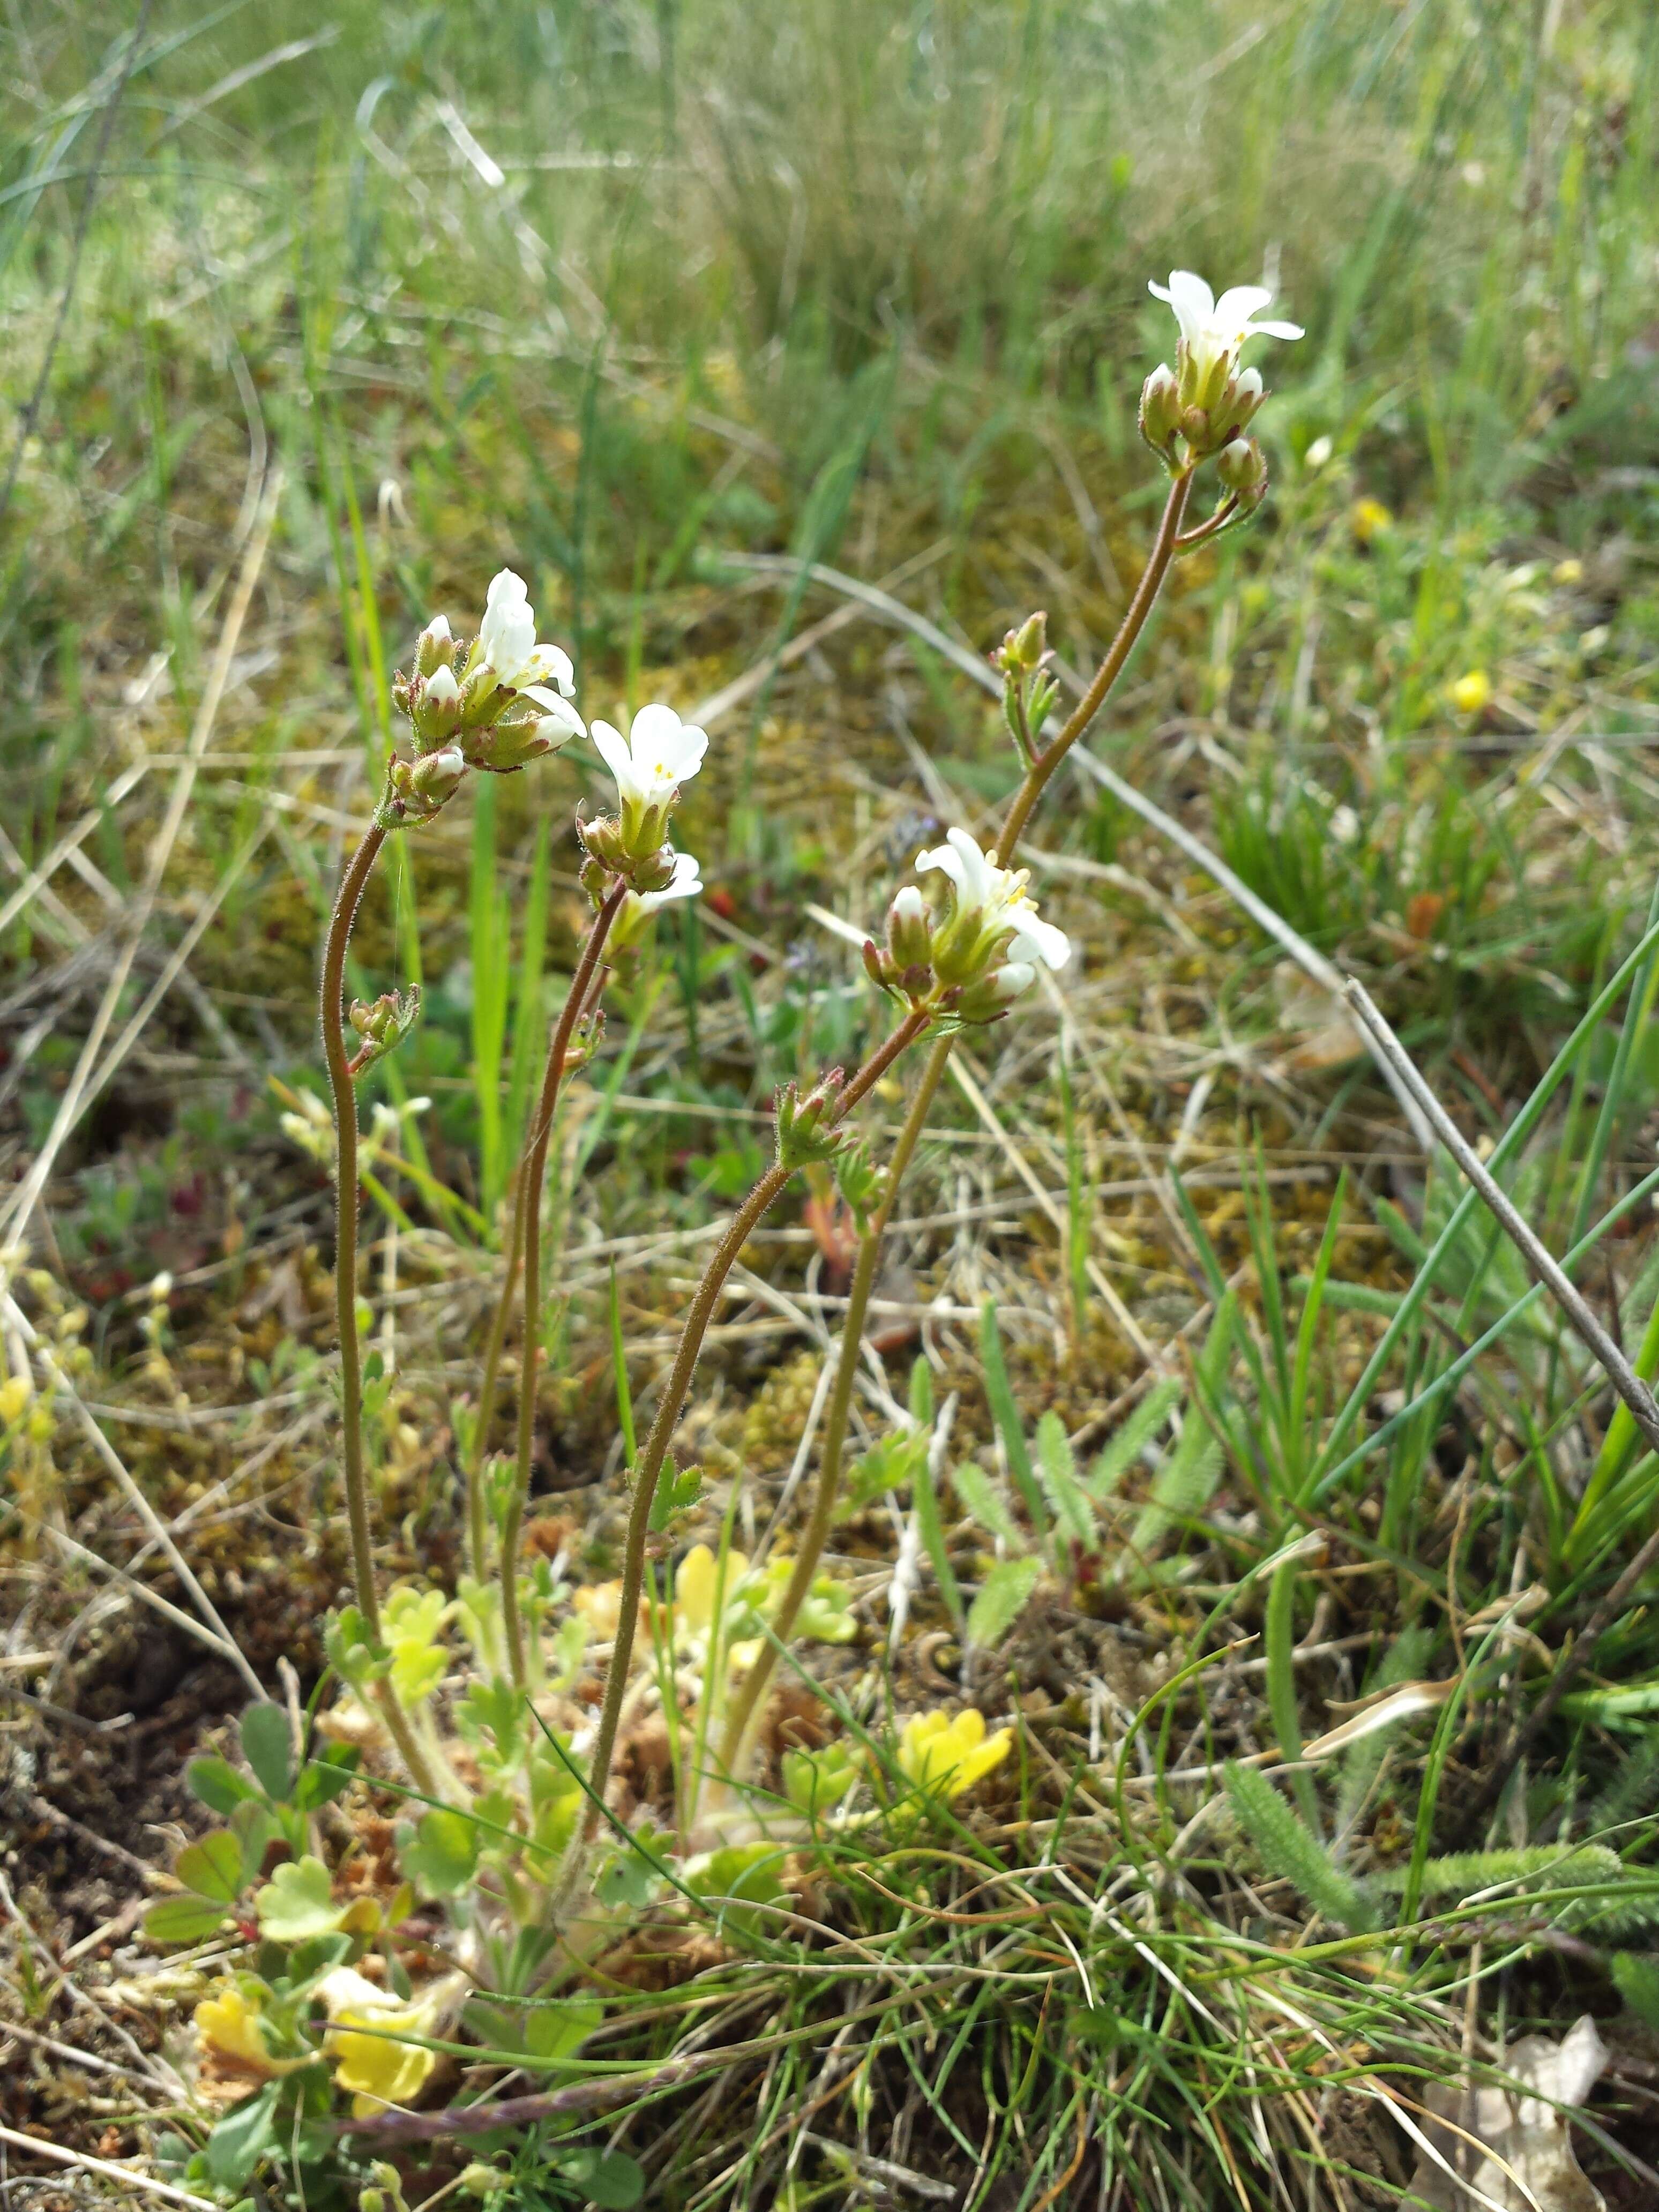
695,1582
1568,571
946,1756
365,2023
600,1604
15,1392
231,2025
1471,694
1369,518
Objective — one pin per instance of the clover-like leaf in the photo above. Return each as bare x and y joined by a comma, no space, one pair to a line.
438,1853
606,2178
746,1873
297,1903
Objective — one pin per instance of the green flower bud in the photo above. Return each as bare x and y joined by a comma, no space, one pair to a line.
435,649
417,789
806,1127
1243,467
434,708
1160,409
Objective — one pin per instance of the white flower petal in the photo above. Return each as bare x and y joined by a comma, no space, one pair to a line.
1276,330
1013,977
612,749
980,879
441,686
943,858
1239,303
1040,940
1193,303
550,661
556,709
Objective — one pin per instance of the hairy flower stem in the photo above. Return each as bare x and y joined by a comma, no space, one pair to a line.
331,1000
739,1229
1134,621
746,1705
332,997
742,1719
526,1239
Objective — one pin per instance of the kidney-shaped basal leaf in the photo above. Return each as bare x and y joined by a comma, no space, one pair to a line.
297,1903
440,1854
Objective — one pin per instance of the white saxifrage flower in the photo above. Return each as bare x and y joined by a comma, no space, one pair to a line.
1207,400
987,943
659,755
1213,332
992,932
506,642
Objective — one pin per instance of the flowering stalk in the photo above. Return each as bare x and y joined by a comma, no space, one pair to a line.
526,1239
341,1081
341,1075
1040,766
745,1706
742,1226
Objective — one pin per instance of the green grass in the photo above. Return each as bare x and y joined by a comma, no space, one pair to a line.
620,296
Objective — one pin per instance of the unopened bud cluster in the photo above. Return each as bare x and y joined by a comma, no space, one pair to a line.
1028,690
495,704
806,1129
382,1023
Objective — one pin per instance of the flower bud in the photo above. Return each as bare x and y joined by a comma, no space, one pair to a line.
609,842
910,932
434,708
507,747
1243,396
1160,408
382,1023
1243,467
1021,653
416,789
990,997
435,649
805,1125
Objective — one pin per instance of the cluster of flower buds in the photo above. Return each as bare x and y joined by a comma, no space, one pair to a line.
1028,690
382,1023
659,755
1204,404
806,1125
969,958
496,704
